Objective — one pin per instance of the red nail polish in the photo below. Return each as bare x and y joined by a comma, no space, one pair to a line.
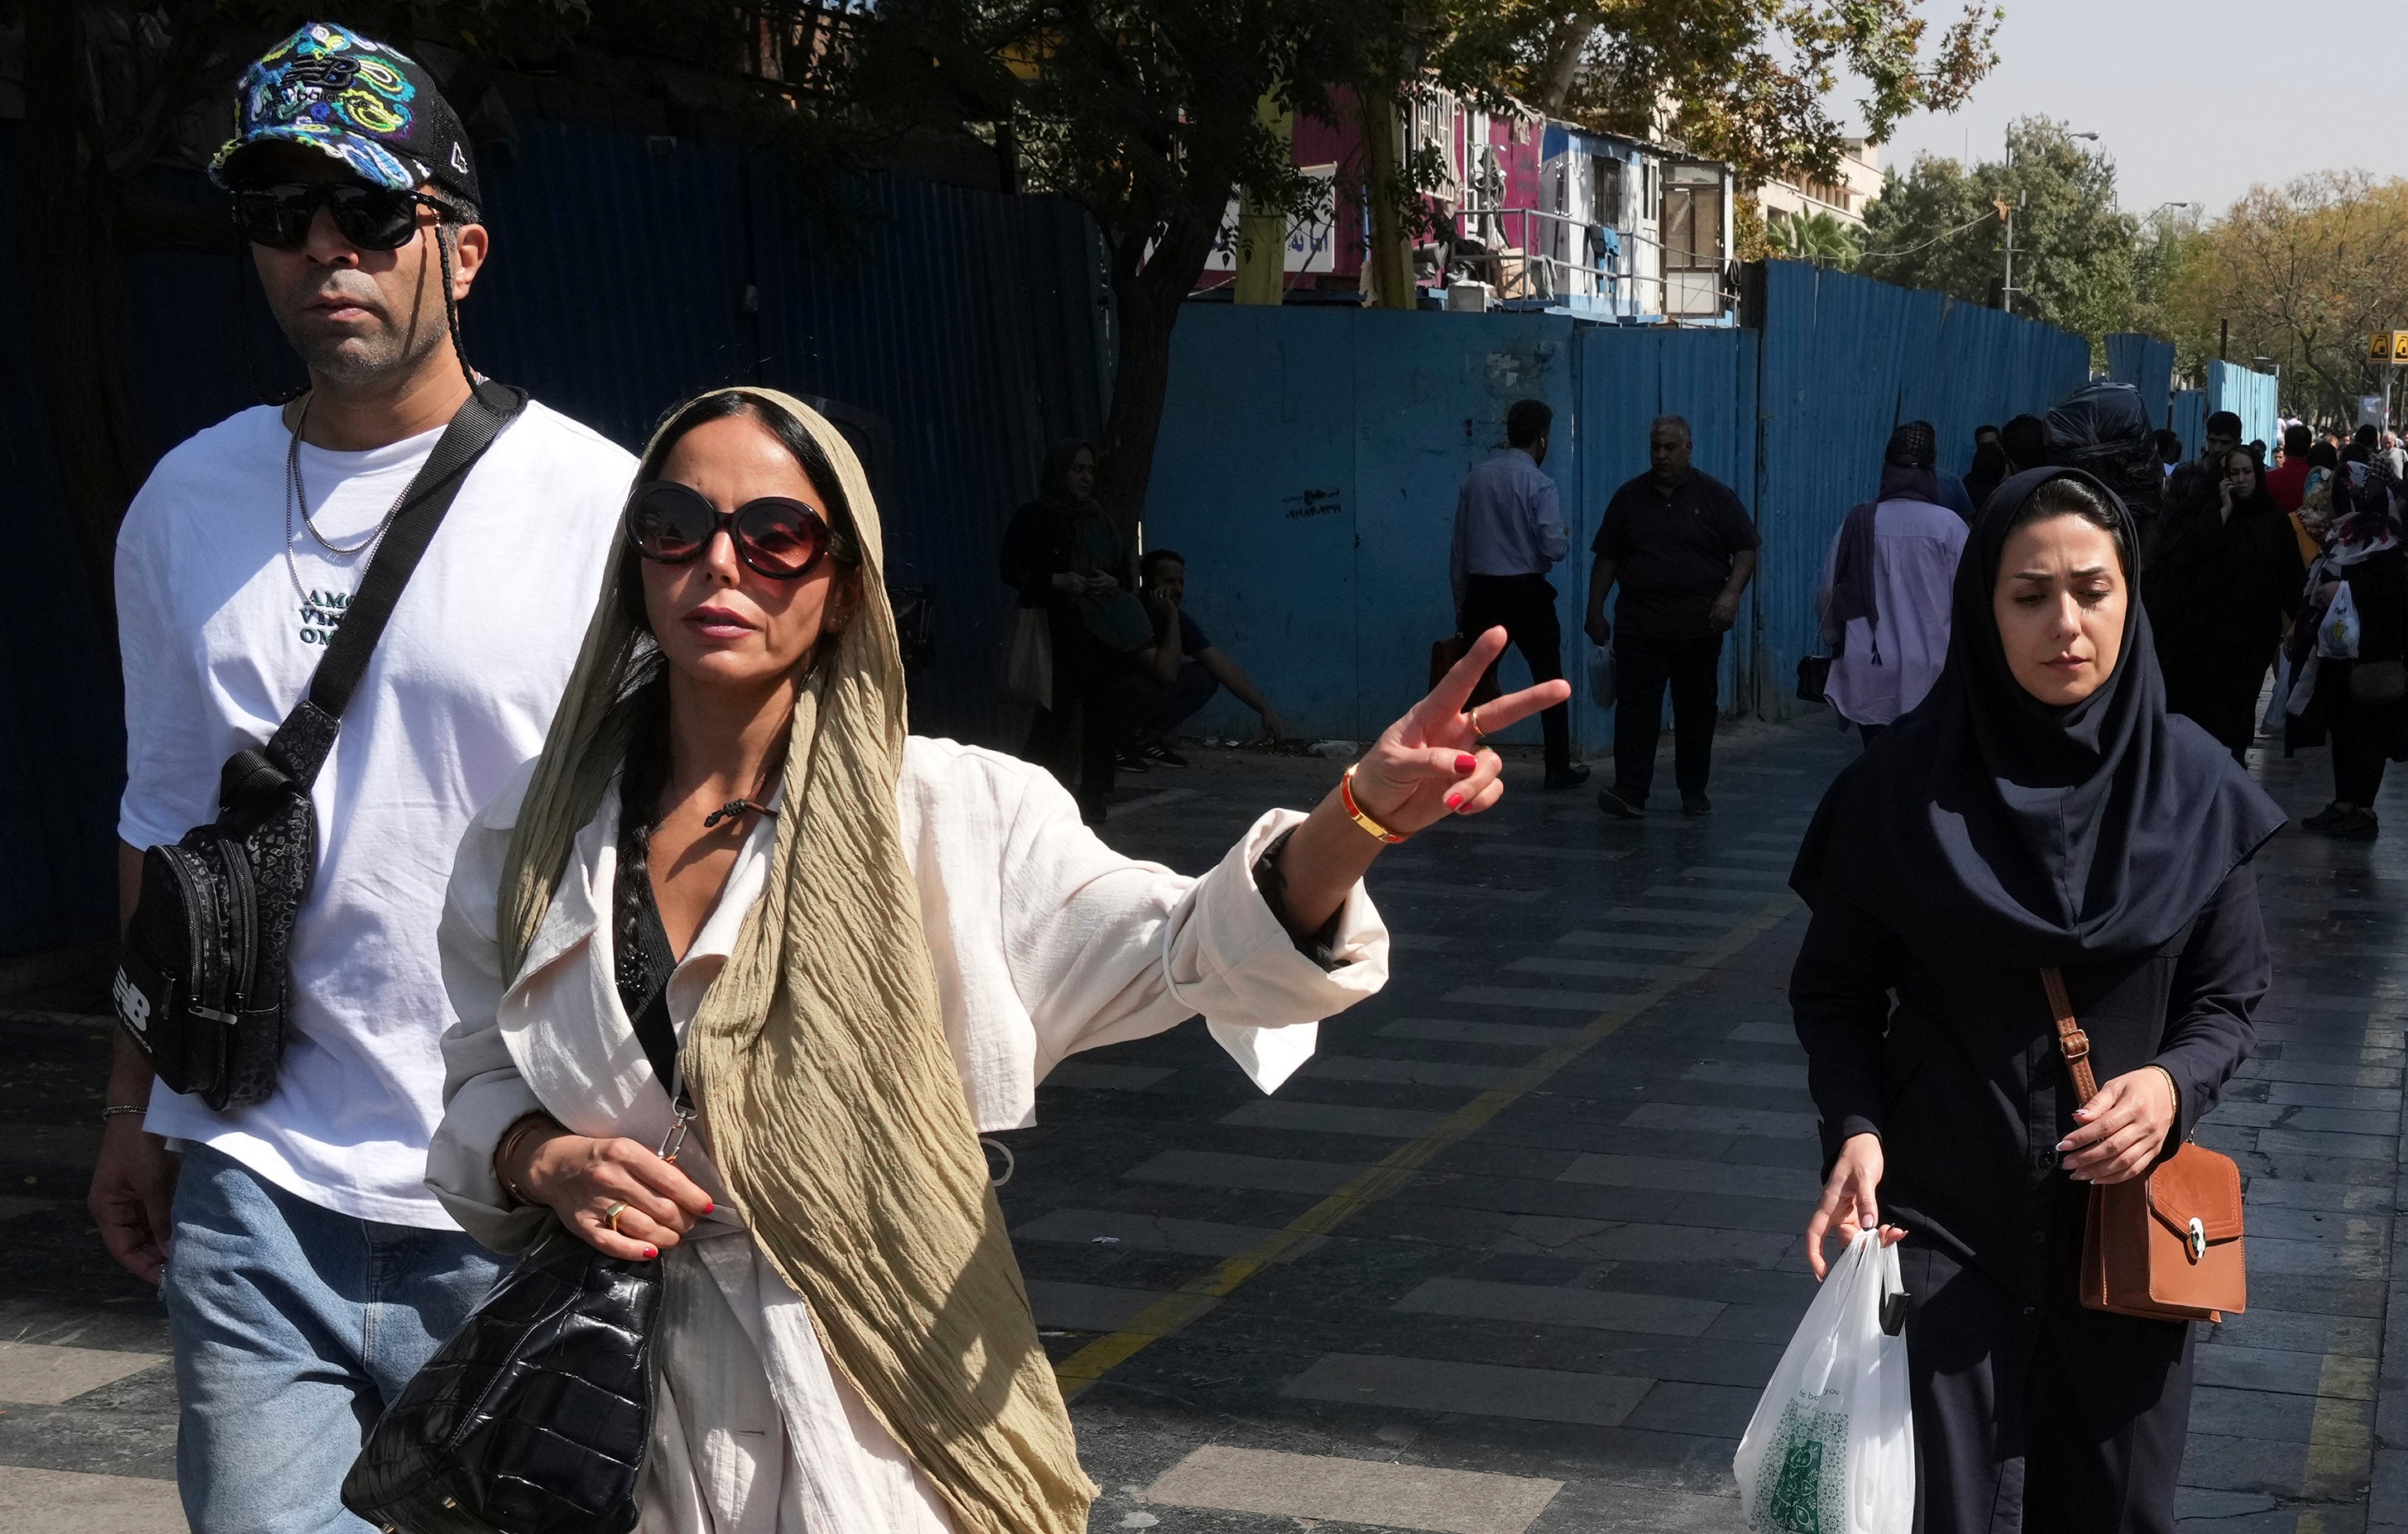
1467,762
650,1252
1454,802
709,1206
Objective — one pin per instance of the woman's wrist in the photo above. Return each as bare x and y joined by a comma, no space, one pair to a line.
514,1156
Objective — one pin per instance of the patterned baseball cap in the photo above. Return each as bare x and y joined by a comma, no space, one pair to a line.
352,99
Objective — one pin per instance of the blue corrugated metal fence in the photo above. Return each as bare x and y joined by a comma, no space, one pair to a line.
2250,395
628,272
2147,364
1317,555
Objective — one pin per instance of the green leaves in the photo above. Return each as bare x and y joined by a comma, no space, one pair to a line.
1937,225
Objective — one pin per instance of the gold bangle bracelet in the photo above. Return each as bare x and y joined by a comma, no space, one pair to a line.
1346,798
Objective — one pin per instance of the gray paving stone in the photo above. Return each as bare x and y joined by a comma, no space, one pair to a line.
2304,1374
1383,888
1662,1242
1215,1169
2367,1147
1493,1390
1677,1116
1333,1118
1458,1031
1676,1406
1089,1307
1304,1489
1155,1233
1597,1310
1666,917
2294,1224
1754,1074
2305,1333
1588,968
1550,1001
1692,1176
1708,895
1766,1031
1119,1078
2317,1095
1650,942
2334,1075
1406,1073
2347,1120
1730,873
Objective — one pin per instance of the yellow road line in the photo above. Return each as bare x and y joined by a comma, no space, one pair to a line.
1176,1310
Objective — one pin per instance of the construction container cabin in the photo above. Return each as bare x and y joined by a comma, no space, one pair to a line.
1539,214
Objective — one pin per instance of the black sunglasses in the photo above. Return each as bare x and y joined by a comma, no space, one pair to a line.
371,218
784,539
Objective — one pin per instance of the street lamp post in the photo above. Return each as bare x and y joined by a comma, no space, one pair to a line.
2007,215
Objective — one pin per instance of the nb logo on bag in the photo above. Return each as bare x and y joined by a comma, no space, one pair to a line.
133,1007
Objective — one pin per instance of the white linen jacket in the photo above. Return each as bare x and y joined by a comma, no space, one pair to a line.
1046,942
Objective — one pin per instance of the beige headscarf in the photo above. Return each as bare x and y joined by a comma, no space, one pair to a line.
818,1059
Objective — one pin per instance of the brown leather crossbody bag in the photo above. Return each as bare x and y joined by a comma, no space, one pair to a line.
2164,1245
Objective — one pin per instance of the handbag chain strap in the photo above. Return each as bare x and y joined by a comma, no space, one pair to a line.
2071,1042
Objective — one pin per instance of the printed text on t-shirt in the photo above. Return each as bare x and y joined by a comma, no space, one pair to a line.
321,614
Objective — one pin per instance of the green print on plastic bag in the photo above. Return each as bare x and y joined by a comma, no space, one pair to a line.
1807,1494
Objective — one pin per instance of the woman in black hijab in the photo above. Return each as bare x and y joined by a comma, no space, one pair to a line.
2042,808
2223,577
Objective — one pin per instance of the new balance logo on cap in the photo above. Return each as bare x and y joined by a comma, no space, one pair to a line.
459,158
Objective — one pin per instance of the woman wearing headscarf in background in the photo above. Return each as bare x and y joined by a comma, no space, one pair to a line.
730,868
1883,602
2220,582
1988,468
2040,809
1062,553
2363,558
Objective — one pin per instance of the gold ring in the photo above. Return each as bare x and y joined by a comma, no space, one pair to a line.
1477,732
612,1214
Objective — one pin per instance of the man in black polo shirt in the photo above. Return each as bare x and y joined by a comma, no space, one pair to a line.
1683,549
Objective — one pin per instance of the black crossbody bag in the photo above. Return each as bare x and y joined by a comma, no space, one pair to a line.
202,978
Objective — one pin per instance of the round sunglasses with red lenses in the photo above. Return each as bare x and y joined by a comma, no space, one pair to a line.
784,539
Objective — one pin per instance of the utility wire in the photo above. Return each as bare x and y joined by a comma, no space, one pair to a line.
1935,239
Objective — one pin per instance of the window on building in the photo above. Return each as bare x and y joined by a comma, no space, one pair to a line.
1605,195
1693,220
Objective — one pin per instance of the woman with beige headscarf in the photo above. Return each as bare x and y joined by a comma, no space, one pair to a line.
732,883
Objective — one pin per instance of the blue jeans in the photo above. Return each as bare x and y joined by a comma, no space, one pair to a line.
293,1326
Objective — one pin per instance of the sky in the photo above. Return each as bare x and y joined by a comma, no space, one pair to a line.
2195,100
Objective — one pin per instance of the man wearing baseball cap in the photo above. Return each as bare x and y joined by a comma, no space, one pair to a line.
306,1270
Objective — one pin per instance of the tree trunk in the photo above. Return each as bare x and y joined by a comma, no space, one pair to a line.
1564,53
1149,295
73,302
1389,263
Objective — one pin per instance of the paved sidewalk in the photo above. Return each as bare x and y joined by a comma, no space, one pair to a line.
1516,1252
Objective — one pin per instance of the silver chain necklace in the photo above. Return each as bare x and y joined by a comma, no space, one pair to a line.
293,498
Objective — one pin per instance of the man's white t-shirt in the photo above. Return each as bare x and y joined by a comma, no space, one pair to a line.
219,635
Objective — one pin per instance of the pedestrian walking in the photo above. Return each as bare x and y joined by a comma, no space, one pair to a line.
2024,441
861,950
1509,533
1988,471
2220,584
2043,809
309,1271
1682,549
1884,600
2197,487
2357,694
1062,553
2287,481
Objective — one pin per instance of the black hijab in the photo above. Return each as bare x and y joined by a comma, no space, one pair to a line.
1990,826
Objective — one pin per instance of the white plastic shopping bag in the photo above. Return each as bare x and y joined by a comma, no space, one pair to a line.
1832,1447
1600,676
2337,635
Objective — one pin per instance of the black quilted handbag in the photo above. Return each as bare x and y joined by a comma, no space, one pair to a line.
201,976
532,1418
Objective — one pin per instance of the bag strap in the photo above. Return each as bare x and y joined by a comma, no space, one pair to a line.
2071,1042
302,742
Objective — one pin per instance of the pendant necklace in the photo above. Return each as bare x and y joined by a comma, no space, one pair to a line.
294,499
